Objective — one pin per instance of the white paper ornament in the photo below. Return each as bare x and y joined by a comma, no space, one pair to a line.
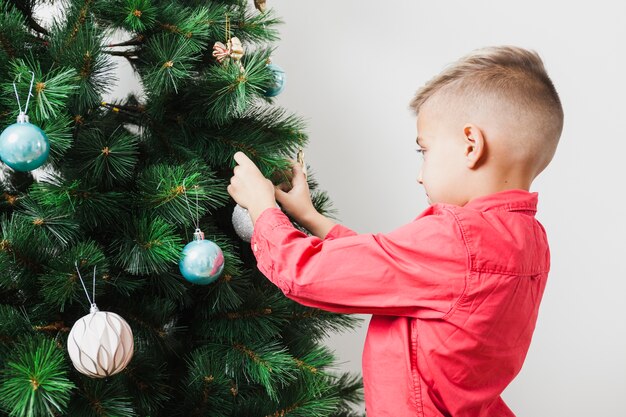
100,344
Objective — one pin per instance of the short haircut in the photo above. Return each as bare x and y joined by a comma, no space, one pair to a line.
514,78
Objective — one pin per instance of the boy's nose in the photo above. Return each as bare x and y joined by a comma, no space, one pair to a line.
419,178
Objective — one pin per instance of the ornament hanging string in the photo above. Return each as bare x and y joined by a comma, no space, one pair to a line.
30,90
227,28
92,300
198,232
197,218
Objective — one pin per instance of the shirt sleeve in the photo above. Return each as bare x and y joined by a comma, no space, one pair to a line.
417,270
339,230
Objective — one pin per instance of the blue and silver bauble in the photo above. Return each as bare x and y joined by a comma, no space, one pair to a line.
24,146
278,85
202,261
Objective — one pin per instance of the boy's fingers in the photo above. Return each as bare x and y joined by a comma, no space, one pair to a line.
298,175
279,194
241,158
284,186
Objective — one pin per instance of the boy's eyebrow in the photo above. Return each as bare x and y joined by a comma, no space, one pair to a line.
418,140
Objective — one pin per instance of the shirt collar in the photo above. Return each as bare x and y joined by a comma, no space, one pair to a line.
510,200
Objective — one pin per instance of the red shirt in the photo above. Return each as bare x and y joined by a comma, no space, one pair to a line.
454,296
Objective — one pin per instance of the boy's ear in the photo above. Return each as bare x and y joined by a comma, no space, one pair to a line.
474,145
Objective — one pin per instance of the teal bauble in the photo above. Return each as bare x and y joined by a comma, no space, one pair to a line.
24,146
202,261
279,81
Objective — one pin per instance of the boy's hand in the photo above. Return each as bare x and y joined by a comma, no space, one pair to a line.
297,202
249,188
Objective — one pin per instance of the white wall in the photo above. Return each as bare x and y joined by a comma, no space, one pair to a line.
353,66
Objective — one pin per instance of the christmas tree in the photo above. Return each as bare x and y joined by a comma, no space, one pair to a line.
99,199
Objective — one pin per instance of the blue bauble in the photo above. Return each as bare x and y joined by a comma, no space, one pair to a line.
24,146
279,81
202,261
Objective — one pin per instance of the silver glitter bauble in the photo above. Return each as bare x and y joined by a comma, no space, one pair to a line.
242,223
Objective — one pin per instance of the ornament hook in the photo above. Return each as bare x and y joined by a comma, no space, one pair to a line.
92,301
197,218
300,159
198,235
22,117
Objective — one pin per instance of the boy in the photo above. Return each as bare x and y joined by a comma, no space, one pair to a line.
455,293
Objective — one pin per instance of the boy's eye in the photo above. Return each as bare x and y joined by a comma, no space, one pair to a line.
420,150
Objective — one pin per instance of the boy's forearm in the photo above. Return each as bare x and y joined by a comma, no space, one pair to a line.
314,222
317,224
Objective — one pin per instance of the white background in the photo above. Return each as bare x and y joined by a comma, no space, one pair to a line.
352,67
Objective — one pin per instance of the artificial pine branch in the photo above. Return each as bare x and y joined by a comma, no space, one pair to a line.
108,158
119,194
33,381
50,91
12,31
131,54
36,26
170,58
13,325
148,246
100,398
181,193
26,7
61,286
137,40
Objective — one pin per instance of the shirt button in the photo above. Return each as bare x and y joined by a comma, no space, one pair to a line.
256,248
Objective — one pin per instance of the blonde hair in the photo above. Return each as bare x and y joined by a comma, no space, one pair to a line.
507,76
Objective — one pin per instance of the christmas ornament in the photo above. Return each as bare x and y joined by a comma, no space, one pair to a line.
232,50
279,81
242,223
100,344
260,5
202,261
24,146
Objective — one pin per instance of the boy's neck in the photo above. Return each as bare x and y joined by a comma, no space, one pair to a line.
491,185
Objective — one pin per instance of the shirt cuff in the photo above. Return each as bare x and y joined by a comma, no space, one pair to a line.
268,220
